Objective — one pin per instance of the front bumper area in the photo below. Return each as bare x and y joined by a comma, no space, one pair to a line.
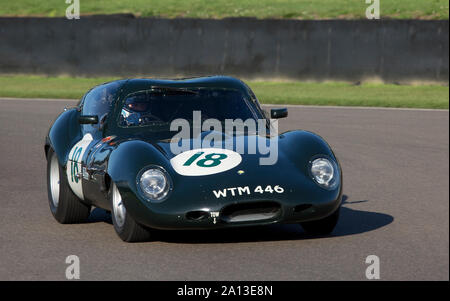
236,213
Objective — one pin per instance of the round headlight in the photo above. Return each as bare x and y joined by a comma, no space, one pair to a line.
325,173
154,184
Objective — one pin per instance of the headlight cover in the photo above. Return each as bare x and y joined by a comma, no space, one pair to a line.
154,184
325,172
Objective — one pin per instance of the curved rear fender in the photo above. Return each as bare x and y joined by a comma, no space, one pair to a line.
63,134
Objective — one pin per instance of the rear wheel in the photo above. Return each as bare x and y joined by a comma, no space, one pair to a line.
124,225
323,226
65,206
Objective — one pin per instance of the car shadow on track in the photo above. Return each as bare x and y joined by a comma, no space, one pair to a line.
351,222
99,215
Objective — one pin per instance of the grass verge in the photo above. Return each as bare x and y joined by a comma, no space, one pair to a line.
304,93
297,9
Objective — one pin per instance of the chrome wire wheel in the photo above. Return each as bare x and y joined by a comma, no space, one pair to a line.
54,180
118,207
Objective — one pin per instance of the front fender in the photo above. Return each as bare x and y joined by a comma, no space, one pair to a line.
125,162
300,146
130,157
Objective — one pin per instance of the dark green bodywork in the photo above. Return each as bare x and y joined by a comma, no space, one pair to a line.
120,162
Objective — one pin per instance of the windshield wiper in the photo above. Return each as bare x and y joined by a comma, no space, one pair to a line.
174,89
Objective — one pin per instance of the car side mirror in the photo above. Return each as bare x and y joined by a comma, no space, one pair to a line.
88,119
278,113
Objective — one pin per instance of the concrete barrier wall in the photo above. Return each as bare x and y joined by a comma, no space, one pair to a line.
391,50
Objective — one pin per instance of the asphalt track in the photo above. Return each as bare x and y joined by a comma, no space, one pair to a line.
396,186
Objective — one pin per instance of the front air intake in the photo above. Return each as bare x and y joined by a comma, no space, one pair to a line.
247,212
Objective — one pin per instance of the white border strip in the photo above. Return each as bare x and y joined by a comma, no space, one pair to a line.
265,105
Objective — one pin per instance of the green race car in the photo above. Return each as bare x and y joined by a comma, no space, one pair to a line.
121,149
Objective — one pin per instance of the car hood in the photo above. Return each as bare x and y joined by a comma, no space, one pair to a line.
247,179
285,171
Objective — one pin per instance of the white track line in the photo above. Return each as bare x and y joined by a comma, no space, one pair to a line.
353,108
37,99
266,105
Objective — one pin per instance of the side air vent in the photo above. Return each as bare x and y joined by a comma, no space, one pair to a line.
197,215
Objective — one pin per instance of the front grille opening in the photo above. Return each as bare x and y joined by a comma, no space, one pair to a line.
302,207
197,215
250,212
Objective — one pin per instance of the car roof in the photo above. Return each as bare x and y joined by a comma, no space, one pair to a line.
224,82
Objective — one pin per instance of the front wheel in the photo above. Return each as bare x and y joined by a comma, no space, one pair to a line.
124,225
65,206
323,226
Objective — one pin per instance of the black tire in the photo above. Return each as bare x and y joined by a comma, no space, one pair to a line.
128,230
323,226
69,209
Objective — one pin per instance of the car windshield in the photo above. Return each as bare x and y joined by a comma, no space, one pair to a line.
163,105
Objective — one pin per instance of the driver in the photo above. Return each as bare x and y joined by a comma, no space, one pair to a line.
137,111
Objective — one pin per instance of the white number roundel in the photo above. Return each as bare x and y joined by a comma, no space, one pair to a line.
205,161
